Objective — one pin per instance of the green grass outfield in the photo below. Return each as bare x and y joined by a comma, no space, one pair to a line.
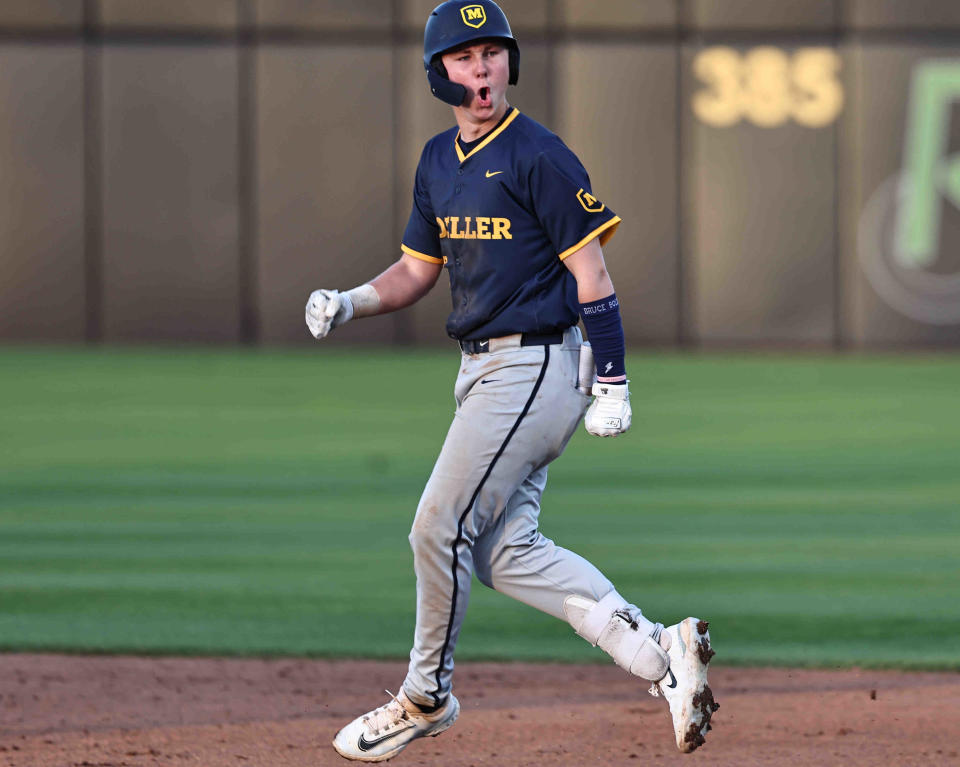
258,502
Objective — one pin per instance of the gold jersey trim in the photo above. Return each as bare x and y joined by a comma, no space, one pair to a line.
421,256
604,232
487,140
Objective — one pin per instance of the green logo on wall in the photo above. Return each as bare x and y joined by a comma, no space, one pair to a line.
910,227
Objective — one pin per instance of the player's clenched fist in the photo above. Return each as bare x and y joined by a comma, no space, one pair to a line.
326,310
609,414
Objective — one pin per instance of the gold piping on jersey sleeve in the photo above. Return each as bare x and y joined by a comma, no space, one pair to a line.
487,140
604,232
420,256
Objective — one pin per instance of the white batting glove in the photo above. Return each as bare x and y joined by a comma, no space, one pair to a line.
326,310
609,414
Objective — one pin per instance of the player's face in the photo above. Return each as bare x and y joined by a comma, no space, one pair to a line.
483,69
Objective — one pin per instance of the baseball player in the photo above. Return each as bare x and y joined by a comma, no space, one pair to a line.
503,206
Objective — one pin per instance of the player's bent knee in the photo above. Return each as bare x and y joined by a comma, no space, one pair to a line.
425,532
421,541
430,541
620,630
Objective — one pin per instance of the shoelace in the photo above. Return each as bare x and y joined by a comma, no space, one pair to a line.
386,716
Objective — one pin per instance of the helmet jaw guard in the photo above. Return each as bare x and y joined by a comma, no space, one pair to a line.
456,23
445,90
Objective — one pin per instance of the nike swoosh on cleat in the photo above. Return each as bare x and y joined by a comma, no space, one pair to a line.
489,380
673,679
491,175
366,745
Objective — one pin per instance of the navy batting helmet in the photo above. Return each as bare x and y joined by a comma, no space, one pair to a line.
455,23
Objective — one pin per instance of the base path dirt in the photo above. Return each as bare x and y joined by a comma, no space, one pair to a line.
79,711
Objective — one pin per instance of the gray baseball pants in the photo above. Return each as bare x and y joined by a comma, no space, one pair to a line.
517,407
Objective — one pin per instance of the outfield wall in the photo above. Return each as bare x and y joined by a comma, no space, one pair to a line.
189,171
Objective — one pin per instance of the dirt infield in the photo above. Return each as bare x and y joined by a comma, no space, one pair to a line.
77,711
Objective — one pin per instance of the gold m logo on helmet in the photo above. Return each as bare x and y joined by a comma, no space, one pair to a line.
474,16
590,203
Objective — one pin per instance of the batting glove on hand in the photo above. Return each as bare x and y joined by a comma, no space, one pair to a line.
326,310
609,414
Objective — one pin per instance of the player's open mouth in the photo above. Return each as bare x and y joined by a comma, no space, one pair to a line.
483,95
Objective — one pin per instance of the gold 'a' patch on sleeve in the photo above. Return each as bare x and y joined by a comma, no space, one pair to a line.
474,15
590,203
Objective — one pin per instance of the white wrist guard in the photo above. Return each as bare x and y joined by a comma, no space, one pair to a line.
609,414
365,300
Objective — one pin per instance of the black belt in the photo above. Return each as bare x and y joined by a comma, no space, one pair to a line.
527,339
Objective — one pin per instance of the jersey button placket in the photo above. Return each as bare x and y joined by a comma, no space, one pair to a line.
457,189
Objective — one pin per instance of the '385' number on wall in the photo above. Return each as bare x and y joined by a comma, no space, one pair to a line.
768,87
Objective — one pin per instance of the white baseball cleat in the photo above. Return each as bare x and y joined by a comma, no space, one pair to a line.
384,732
685,684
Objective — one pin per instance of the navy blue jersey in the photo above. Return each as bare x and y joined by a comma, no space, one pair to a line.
501,219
